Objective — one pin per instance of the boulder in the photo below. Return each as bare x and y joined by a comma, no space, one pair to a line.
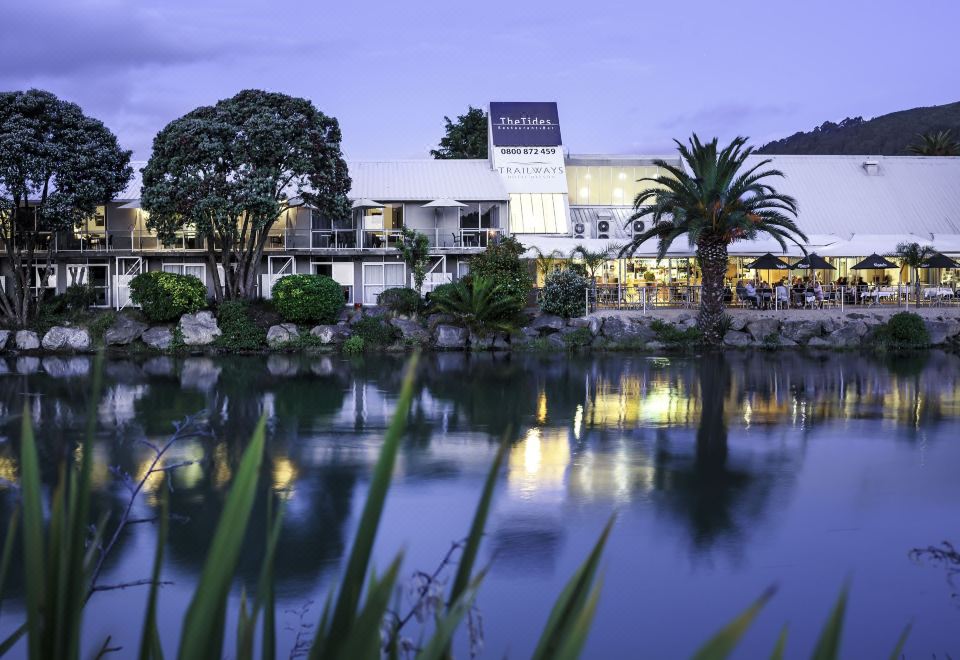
848,335
411,331
738,322
199,329
26,340
481,342
819,342
547,323
578,323
123,331
800,331
613,328
762,327
60,338
736,338
330,334
159,337
595,323
500,342
450,337
282,334
4,337
530,333
556,341
787,342
828,324
939,331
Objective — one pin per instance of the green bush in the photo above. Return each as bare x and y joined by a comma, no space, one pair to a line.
579,338
100,323
401,300
375,331
903,330
353,346
671,335
308,298
240,333
564,294
478,304
167,296
440,292
502,264
77,298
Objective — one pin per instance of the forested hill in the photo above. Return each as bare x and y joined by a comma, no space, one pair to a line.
886,135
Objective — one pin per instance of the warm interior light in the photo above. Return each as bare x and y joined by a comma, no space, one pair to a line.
584,192
618,192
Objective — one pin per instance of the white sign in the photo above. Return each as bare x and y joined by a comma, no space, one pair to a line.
531,169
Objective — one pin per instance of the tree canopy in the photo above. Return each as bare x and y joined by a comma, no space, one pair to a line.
231,170
56,166
465,138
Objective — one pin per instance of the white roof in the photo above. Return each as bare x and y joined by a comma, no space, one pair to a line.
862,245
837,195
425,180
132,191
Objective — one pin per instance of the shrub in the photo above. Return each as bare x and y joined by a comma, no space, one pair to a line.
240,333
167,296
564,294
579,338
353,346
480,305
375,330
77,298
400,300
903,330
308,298
671,335
100,323
440,292
502,264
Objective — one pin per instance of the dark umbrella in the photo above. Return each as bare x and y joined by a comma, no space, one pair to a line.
813,261
768,262
874,261
939,261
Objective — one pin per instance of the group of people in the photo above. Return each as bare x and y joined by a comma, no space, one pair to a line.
798,293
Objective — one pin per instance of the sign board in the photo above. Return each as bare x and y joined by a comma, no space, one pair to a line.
531,169
524,124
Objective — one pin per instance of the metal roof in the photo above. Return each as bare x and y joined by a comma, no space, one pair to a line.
424,180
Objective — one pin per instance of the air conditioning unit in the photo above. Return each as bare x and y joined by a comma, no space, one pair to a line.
579,229
637,226
603,229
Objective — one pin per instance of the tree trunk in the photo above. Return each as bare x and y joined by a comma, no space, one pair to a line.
712,256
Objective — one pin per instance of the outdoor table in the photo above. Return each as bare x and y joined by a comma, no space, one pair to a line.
938,292
877,294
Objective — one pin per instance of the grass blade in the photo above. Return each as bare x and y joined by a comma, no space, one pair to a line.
722,644
8,549
577,637
364,640
571,601
202,635
33,553
781,646
439,644
828,646
265,592
472,546
150,648
898,649
14,637
329,640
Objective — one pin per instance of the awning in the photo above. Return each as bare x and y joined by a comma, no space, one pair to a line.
874,261
443,203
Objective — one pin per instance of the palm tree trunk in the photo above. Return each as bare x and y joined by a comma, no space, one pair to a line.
712,256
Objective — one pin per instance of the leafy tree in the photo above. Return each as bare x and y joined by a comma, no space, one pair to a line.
465,138
415,250
593,259
912,256
231,170
56,166
714,201
939,143
546,262
480,305
502,263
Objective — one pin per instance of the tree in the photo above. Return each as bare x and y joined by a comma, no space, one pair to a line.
716,200
231,170
56,166
465,138
480,305
593,259
939,143
502,263
546,262
415,250
912,255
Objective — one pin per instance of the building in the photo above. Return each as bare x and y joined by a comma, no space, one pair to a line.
850,207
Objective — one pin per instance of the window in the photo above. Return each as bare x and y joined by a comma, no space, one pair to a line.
197,270
340,271
377,277
95,276
41,286
538,213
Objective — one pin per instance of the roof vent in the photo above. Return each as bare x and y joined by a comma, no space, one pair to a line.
871,167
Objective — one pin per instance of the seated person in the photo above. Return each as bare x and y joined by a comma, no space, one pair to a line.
783,297
818,293
750,294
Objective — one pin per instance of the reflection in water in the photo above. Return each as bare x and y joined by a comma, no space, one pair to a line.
709,443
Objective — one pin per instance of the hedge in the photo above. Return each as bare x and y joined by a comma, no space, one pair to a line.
167,296
308,298
564,294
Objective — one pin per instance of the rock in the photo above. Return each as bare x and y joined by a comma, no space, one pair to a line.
939,331
59,338
123,331
159,337
595,323
762,327
530,333
199,329
682,317
819,342
848,335
282,334
655,345
411,331
828,324
613,327
800,331
578,323
786,342
500,342
330,334
738,322
736,338
556,341
481,342
450,337
26,340
436,319
618,330
547,323
4,337
687,323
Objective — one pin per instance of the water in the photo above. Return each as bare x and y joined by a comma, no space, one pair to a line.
728,475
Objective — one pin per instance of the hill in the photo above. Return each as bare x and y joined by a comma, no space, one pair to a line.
886,135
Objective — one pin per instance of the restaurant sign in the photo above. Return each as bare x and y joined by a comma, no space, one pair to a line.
524,124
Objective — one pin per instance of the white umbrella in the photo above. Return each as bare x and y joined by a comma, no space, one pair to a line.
440,205
365,203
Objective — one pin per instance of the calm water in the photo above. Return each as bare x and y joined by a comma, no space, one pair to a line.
728,475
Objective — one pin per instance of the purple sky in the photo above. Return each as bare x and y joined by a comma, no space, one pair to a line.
628,76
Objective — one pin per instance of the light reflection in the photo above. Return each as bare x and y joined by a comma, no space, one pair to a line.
284,474
538,463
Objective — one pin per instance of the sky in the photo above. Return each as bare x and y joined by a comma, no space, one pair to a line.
629,77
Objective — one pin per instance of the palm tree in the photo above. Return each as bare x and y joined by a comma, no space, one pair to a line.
545,261
912,255
716,200
939,143
482,306
592,260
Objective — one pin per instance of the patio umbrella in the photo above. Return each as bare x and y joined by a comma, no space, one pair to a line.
874,261
813,261
768,262
939,261
440,205
364,203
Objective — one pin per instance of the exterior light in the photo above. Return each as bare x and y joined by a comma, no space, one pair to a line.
622,176
584,192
